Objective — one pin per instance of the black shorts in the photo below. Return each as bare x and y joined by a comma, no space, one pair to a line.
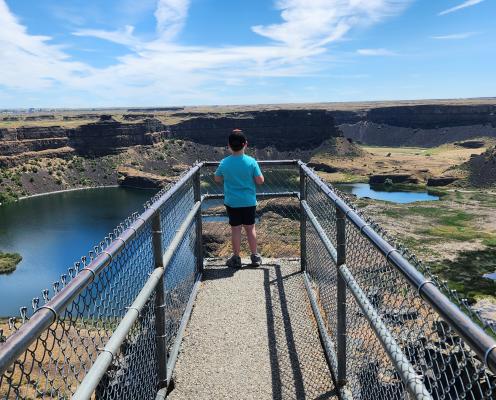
241,215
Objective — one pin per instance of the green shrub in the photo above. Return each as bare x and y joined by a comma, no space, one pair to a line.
8,262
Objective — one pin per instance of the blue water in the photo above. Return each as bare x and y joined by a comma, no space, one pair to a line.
380,193
51,233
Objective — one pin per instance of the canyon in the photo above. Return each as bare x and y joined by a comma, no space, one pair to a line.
162,141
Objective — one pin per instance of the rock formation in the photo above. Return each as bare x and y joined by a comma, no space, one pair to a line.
131,177
282,129
418,125
482,168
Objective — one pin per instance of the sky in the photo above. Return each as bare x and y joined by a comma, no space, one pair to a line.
123,53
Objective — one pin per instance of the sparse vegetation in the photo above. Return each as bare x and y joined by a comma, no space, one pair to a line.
8,262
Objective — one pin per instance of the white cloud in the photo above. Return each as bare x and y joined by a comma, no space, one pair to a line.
29,61
171,15
161,71
318,22
122,36
455,36
375,52
465,4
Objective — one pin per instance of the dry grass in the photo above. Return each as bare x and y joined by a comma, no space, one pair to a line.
419,162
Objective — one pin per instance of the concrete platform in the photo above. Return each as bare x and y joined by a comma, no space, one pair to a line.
252,335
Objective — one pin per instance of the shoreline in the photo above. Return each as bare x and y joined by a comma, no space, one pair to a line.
66,190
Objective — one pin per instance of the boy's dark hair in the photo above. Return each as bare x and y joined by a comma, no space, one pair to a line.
237,140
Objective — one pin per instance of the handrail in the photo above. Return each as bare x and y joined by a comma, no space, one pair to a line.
261,162
483,344
103,361
20,340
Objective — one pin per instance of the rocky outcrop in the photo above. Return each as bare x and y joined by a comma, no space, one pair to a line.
109,136
471,144
482,169
441,180
281,129
321,167
131,177
418,125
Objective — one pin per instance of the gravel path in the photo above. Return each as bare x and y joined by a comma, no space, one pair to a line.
252,336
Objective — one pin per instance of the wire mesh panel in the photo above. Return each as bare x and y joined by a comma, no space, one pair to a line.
58,360
60,357
277,215
448,367
133,373
180,276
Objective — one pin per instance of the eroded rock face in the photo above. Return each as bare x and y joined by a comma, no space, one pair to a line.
482,168
419,125
108,136
441,180
281,129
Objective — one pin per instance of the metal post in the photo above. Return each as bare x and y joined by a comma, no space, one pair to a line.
159,301
303,221
341,295
199,230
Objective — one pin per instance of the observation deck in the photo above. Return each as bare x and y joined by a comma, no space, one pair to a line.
337,310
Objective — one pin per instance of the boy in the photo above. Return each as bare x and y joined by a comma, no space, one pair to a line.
240,173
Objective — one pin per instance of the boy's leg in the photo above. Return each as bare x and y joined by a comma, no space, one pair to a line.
251,235
236,239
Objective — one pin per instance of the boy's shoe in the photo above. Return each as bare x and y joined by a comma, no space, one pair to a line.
256,260
234,262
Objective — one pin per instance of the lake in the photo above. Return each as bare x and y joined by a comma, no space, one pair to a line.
52,231
386,194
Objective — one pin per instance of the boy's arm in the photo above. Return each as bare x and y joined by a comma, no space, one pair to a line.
257,175
218,174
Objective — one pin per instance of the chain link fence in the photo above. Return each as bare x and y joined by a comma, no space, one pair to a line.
86,306
277,215
111,328
448,367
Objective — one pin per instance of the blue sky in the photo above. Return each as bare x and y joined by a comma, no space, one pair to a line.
93,53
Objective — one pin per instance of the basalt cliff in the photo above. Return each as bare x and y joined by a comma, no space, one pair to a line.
284,131
418,125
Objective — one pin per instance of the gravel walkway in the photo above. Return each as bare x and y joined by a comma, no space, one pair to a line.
252,336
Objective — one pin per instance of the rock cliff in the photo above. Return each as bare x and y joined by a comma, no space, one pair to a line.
297,130
282,129
418,125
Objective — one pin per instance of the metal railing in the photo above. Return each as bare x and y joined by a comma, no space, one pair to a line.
115,328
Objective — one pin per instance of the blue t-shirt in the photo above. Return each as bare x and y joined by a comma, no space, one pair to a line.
239,185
